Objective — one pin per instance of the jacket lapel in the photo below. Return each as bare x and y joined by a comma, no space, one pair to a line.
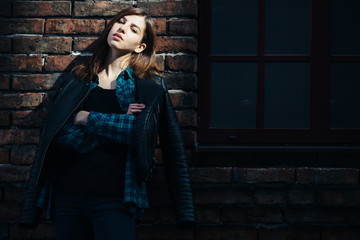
147,91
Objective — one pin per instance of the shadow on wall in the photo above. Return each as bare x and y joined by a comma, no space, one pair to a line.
37,116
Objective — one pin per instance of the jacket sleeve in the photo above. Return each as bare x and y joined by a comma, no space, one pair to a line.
175,163
115,126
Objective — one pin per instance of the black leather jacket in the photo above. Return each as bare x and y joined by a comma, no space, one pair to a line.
157,117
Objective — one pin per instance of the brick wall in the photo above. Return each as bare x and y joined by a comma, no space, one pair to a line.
249,195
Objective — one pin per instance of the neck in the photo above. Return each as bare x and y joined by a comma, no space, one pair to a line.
116,63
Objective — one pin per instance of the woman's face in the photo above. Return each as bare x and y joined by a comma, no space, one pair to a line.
126,34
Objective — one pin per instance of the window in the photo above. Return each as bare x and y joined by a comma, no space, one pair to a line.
279,72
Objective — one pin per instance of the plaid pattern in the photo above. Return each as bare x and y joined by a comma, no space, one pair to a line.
76,136
117,127
104,127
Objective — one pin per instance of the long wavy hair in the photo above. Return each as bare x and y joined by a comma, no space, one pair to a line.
142,64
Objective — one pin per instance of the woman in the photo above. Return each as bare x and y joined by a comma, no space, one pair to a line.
96,149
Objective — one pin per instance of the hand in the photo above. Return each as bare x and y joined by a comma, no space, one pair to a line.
81,117
135,108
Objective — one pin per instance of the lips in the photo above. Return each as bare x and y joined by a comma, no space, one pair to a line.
117,36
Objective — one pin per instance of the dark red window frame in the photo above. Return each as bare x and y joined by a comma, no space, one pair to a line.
320,60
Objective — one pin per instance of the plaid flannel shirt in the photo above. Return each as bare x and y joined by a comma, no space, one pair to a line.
104,127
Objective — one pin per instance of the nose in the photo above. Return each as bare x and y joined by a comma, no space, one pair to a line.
123,28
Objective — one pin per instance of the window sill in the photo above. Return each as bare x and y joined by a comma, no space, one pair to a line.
278,148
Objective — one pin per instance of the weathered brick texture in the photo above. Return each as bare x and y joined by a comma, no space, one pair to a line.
22,26
100,8
20,63
5,45
41,8
42,45
74,26
238,195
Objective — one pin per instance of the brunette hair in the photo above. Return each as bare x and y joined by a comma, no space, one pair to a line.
142,64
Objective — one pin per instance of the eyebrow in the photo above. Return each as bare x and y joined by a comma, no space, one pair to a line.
132,24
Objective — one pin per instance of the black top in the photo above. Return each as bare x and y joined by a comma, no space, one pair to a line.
101,171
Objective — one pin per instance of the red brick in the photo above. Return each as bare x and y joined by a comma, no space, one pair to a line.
18,100
22,26
177,44
207,215
185,63
189,137
10,173
252,215
5,8
42,45
315,215
5,82
160,62
166,215
301,196
340,233
102,8
327,176
163,232
269,196
4,118
263,175
74,26
343,197
5,45
150,215
84,43
158,195
210,175
160,26
42,231
222,196
35,118
42,8
23,155
183,27
62,63
37,82
20,63
181,99
9,211
187,118
169,7
226,232
183,81
293,233
4,155
19,136
15,194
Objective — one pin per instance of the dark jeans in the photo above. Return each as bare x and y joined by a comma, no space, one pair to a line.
79,217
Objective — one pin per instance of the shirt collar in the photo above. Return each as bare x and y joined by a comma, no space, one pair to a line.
128,74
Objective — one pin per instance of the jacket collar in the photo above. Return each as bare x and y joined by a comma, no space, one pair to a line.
147,91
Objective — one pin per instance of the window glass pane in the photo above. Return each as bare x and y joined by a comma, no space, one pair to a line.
345,97
287,95
234,27
233,95
287,27
345,23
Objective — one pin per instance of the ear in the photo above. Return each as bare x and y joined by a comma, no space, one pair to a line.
141,47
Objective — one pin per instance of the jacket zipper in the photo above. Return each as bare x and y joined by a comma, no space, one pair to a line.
148,175
47,146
